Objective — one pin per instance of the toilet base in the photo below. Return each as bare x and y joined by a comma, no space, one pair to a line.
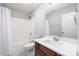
30,52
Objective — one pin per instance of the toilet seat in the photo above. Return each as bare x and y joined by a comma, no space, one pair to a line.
29,45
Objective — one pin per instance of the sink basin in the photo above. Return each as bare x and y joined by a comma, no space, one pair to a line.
53,43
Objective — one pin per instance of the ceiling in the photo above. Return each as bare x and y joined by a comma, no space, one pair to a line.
60,6
28,8
24,7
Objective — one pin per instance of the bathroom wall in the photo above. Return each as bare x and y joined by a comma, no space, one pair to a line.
55,19
20,29
19,14
38,20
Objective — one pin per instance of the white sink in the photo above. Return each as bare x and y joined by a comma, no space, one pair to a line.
53,43
60,46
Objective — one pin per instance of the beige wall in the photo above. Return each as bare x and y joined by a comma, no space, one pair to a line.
38,20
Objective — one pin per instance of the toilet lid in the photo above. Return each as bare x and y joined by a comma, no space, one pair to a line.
29,44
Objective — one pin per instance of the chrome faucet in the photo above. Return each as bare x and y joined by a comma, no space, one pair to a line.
56,39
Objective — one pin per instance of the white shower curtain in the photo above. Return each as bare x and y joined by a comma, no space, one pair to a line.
5,31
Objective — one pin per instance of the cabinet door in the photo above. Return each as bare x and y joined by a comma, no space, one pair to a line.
36,45
57,54
39,53
47,51
40,50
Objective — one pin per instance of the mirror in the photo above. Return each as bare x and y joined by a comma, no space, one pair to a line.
62,21
69,25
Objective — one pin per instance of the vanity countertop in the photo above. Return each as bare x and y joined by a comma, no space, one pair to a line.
67,49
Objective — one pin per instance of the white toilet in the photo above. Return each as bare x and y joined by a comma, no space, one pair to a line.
29,49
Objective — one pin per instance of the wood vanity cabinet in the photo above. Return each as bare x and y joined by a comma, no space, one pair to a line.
41,50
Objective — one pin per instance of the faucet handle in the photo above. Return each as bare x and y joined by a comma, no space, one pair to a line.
56,39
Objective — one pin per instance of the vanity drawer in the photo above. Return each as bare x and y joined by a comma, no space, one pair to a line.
46,51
